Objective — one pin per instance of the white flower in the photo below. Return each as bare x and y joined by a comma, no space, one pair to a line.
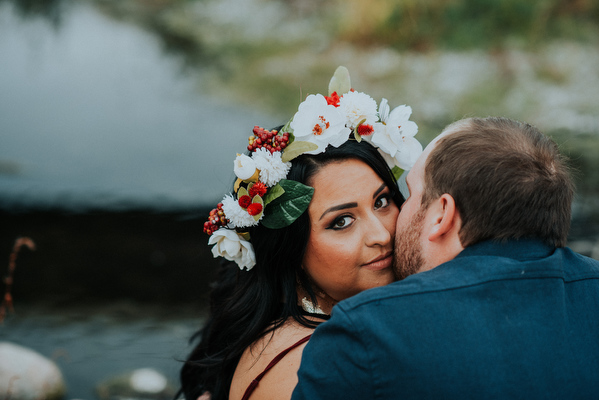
319,123
395,136
230,245
357,107
272,168
238,217
244,167
384,110
406,156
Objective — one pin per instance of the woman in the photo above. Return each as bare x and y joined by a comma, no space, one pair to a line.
319,205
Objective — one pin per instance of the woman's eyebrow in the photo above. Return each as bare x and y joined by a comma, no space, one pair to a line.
380,189
339,207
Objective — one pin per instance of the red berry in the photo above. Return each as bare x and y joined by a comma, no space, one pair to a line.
245,201
255,209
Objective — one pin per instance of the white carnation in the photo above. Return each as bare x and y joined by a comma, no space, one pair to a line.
272,168
238,217
230,245
357,107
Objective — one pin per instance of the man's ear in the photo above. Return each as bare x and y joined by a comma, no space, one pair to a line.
446,219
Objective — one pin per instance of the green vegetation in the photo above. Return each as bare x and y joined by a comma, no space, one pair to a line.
464,24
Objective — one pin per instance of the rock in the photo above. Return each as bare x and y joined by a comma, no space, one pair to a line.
147,380
143,383
27,375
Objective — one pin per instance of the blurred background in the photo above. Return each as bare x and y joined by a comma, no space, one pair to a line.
119,121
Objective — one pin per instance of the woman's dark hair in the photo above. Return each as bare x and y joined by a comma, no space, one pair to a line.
246,305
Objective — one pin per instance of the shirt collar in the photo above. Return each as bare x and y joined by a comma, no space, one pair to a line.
521,249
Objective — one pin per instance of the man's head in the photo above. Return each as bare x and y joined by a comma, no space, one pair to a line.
490,178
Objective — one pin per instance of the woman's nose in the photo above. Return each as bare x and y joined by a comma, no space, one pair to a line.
376,232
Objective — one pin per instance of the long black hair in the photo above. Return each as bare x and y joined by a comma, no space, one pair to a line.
245,305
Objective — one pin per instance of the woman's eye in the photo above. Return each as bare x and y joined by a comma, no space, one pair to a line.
342,222
382,202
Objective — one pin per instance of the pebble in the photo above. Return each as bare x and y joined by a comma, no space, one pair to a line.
142,383
148,380
28,375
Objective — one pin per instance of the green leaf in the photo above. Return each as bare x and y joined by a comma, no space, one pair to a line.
287,127
340,82
357,136
396,172
242,192
273,193
297,148
285,209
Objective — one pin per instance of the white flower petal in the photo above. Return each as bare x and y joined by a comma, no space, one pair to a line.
248,257
382,139
244,167
407,155
390,160
319,123
357,107
400,113
396,138
230,245
340,138
384,110
409,129
271,166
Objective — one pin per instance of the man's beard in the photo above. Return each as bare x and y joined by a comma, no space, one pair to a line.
407,258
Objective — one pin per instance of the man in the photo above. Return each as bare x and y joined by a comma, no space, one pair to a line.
492,305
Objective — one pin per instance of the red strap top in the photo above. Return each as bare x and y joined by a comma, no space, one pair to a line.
279,357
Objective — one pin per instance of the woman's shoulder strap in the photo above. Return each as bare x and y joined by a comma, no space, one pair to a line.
279,357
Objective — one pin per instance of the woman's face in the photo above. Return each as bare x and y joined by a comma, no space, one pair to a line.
352,218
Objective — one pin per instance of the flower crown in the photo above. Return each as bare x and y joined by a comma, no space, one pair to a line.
320,121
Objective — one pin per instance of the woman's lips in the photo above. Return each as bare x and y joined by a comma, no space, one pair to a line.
380,263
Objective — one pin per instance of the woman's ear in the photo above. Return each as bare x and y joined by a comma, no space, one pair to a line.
446,219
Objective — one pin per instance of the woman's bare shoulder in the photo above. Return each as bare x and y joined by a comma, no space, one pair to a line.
279,382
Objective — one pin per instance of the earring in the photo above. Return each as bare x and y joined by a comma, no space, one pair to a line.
310,307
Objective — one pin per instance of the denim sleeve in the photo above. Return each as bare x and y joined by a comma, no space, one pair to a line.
335,363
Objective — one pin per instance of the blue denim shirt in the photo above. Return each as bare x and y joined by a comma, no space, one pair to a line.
517,320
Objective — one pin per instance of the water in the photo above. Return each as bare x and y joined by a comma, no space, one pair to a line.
93,113
93,345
